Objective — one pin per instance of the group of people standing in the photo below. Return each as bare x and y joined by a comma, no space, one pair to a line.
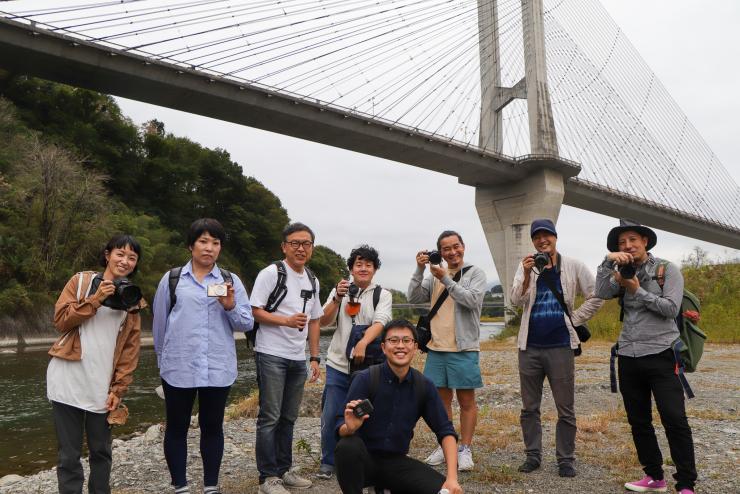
372,397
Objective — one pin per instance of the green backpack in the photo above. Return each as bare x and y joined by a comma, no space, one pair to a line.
692,338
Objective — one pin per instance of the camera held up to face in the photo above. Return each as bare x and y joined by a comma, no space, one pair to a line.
125,296
541,260
434,257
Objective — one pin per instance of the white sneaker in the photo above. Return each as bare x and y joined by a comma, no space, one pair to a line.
292,479
436,458
273,485
465,459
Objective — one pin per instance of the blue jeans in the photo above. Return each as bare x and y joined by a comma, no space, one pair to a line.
332,404
280,382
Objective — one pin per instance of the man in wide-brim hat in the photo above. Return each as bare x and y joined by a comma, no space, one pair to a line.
646,360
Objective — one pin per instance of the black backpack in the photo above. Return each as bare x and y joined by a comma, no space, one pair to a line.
277,296
174,279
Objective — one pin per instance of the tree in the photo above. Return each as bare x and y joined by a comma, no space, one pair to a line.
329,267
697,258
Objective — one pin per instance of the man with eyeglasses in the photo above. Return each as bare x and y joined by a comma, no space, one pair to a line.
372,449
281,359
452,362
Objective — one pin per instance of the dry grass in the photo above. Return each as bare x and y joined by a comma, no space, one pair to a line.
709,414
246,407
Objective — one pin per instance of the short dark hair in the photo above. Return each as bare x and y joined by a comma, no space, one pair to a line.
448,233
399,324
365,252
206,225
297,227
119,242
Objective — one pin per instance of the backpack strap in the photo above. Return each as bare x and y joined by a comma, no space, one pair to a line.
376,296
613,368
311,277
281,290
173,280
660,273
374,381
419,389
680,369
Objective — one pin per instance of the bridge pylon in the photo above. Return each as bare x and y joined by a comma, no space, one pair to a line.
506,211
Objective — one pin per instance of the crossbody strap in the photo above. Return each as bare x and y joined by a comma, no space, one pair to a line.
443,296
559,296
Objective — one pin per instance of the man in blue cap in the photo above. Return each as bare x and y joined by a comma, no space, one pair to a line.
545,286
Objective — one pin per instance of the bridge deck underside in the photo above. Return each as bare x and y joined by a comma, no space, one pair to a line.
63,59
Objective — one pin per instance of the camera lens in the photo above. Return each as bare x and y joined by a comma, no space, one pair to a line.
435,257
353,290
627,271
540,260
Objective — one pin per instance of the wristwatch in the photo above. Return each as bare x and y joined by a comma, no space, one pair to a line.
315,359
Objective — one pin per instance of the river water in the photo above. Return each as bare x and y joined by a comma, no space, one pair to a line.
28,441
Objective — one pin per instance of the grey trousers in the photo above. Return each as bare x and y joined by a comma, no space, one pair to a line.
70,423
557,364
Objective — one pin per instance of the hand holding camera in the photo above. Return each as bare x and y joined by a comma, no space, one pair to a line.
342,288
354,417
225,294
105,290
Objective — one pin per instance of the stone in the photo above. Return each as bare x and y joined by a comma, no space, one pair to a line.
10,479
153,434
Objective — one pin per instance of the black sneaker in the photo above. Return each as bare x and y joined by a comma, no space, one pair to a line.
566,471
529,466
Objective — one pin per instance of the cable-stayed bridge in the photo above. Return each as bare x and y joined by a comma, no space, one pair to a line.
535,103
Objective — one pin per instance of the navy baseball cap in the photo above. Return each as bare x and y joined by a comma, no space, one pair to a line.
543,224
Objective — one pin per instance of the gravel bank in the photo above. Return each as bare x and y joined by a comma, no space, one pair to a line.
605,454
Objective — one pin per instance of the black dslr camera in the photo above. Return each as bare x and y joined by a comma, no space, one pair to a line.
434,256
540,260
627,271
353,291
125,296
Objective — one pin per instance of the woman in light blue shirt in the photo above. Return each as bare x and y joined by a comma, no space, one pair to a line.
196,354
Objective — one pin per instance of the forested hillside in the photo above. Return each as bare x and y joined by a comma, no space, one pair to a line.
74,170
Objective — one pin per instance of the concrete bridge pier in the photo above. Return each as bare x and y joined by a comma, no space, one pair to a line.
506,213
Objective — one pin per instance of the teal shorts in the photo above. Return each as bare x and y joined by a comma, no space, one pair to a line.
454,370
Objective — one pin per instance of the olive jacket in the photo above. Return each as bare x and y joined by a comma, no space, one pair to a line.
73,308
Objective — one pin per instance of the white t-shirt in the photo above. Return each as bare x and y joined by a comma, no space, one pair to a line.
282,341
85,383
336,356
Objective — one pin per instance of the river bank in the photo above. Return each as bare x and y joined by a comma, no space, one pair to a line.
606,457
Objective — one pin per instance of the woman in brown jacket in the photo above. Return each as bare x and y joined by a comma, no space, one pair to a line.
93,363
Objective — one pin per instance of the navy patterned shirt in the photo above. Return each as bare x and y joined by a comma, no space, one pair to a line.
547,327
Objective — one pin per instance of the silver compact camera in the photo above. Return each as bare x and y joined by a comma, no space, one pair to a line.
218,290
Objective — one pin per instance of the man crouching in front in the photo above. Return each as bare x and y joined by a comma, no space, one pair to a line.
385,402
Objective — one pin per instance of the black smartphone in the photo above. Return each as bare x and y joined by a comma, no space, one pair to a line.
363,408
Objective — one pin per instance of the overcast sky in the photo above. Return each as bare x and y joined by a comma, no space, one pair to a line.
349,198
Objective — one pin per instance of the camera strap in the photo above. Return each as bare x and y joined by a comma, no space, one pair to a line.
558,295
443,296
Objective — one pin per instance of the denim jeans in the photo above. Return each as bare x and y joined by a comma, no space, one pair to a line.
280,382
332,404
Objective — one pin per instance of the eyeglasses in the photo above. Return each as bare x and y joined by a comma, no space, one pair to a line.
306,244
395,340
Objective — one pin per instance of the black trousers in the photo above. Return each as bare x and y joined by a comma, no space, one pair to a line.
70,424
356,468
179,406
639,378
